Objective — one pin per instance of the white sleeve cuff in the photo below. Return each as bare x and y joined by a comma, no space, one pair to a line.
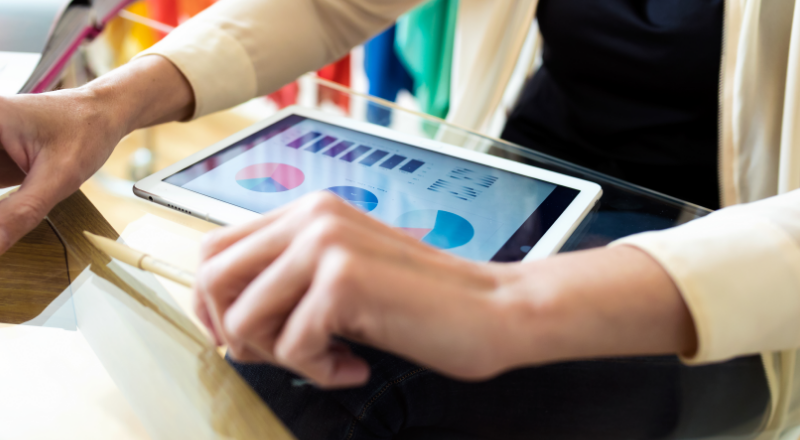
739,278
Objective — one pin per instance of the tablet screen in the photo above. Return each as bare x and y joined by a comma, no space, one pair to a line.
466,208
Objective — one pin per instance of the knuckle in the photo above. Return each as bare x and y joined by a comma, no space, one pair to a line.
326,231
236,329
30,209
340,268
340,259
286,353
323,202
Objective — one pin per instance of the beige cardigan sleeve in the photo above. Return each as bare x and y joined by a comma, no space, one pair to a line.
239,49
738,270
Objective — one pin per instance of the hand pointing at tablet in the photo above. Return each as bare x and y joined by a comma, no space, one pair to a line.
286,288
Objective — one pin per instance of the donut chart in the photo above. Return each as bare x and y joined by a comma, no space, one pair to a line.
441,229
270,177
358,197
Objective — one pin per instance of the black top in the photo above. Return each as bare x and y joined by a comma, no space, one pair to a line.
635,80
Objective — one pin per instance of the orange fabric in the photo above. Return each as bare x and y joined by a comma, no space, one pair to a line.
174,12
163,11
189,8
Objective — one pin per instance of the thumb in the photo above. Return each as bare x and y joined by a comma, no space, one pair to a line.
24,210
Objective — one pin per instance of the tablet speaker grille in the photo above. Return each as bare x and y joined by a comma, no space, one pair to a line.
179,209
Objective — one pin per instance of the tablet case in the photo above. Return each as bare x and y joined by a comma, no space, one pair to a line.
50,31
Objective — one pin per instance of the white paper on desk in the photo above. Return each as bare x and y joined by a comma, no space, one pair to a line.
139,378
168,241
53,386
146,364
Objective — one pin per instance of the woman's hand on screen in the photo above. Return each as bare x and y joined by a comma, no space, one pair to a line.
286,288
282,289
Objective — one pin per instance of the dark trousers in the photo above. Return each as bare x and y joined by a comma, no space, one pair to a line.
630,398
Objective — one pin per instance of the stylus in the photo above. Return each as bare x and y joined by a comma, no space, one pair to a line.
3,196
141,260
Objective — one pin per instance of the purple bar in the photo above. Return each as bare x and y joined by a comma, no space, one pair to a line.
393,161
338,148
373,158
304,139
356,153
320,144
412,165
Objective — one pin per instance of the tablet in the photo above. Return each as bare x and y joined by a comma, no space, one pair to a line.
471,204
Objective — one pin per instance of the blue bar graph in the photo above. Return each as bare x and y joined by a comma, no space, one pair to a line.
412,165
374,157
338,148
304,139
355,153
393,161
320,144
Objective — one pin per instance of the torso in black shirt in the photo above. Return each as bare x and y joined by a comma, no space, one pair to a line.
628,87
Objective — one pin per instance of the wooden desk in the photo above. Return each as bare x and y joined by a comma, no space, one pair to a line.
40,267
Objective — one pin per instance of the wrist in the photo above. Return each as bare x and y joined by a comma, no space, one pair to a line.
100,109
147,91
589,304
529,309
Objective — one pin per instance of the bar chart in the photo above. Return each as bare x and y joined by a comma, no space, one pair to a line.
327,145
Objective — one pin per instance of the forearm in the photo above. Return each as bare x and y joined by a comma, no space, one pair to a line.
606,302
145,92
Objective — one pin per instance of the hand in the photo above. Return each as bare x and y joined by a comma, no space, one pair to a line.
53,142
280,289
49,143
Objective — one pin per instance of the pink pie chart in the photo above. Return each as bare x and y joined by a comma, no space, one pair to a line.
270,177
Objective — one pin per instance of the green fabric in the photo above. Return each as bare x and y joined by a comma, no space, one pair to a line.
424,44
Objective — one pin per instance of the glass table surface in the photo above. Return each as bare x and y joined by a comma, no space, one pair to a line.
623,209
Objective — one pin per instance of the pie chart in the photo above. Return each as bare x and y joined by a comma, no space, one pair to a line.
437,228
358,197
270,177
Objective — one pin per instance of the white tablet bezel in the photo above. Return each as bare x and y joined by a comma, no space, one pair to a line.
154,188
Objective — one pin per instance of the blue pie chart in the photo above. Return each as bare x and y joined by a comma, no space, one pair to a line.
358,197
441,229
